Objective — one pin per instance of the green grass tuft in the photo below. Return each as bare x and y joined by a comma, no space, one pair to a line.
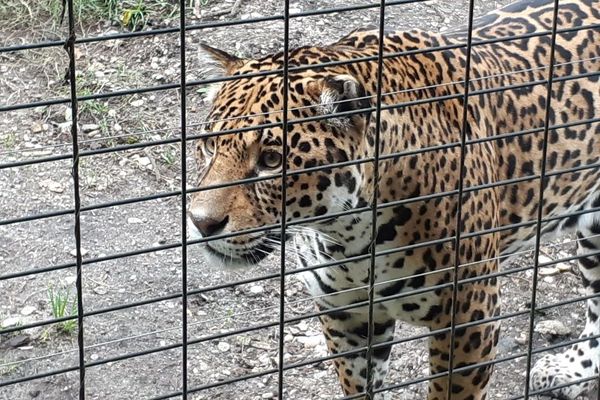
63,304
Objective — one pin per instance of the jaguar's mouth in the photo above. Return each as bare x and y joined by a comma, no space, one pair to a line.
250,255
247,256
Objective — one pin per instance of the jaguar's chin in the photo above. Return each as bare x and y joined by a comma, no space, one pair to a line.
225,255
239,259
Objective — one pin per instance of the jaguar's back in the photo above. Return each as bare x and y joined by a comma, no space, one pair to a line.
519,112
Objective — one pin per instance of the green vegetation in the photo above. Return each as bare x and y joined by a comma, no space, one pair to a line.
63,304
130,14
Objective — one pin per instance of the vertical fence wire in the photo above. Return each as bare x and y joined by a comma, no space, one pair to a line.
183,122
284,155
461,173
540,207
373,239
70,48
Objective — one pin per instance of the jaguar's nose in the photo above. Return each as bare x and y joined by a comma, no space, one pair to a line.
208,226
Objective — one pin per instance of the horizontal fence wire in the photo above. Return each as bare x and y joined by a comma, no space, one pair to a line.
182,137
328,216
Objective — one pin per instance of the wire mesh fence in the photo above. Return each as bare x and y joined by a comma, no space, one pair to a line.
196,339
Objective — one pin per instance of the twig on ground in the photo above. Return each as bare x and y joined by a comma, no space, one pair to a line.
231,11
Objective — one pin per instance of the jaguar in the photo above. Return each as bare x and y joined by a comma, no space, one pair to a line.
457,173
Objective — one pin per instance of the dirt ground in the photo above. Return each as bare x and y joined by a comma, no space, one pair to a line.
36,133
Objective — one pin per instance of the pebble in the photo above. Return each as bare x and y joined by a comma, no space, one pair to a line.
310,341
255,290
223,347
544,259
84,252
144,161
28,310
16,341
522,340
55,187
268,396
10,321
552,327
548,271
137,103
70,280
89,127
36,127
134,220
203,366
100,290
563,267
507,344
68,114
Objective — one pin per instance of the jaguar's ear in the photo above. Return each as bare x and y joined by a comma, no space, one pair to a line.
342,93
217,62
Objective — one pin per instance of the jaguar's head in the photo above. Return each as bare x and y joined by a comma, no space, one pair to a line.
253,103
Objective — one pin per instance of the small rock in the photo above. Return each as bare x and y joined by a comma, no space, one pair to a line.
144,161
84,252
548,271
68,114
522,340
223,346
55,187
100,290
16,341
89,127
10,321
544,259
552,327
310,341
203,366
94,357
267,396
507,344
28,310
134,220
137,103
70,280
36,127
65,127
34,393
564,267
255,290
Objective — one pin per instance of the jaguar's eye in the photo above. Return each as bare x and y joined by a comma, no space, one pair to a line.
209,146
270,159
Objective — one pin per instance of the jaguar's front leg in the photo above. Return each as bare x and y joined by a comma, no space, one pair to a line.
346,331
472,345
